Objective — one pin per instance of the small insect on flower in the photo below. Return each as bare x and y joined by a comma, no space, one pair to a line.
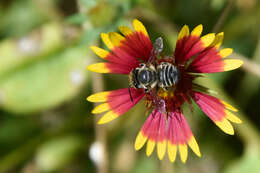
152,74
166,83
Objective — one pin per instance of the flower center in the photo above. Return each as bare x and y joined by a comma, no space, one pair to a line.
174,95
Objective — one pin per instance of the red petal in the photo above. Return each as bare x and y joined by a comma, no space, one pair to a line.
210,105
118,68
178,130
120,102
208,61
183,47
137,45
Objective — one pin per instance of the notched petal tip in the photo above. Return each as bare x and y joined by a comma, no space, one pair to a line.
184,32
231,117
125,30
218,40
106,40
115,38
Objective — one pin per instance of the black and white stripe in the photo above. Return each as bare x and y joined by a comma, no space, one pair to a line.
168,75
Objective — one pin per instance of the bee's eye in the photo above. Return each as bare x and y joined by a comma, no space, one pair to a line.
142,64
144,76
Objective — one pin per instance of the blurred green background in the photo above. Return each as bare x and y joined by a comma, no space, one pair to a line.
45,122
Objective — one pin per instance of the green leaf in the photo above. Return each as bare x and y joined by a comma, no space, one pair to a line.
46,83
21,17
17,52
56,153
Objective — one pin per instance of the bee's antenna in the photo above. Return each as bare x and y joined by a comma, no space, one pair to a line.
131,98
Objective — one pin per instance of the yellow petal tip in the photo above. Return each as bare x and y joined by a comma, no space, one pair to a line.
231,117
231,64
221,34
183,152
101,108
218,40
150,147
172,151
106,40
207,39
225,126
125,30
139,27
184,32
98,97
115,38
102,53
161,149
228,106
197,30
225,52
194,146
140,141
109,116
98,68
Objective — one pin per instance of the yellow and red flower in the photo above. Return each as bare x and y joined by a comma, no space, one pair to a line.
193,55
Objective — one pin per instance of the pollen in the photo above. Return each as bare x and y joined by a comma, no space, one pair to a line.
169,93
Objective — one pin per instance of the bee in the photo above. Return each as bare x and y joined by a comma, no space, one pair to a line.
152,75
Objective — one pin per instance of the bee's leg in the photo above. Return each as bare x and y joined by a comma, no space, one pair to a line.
129,90
157,101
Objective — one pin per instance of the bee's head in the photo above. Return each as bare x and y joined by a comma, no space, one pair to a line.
139,77
142,77
133,78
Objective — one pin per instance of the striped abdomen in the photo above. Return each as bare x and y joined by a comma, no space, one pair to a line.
168,75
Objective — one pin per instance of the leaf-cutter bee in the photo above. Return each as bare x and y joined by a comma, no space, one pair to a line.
151,74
